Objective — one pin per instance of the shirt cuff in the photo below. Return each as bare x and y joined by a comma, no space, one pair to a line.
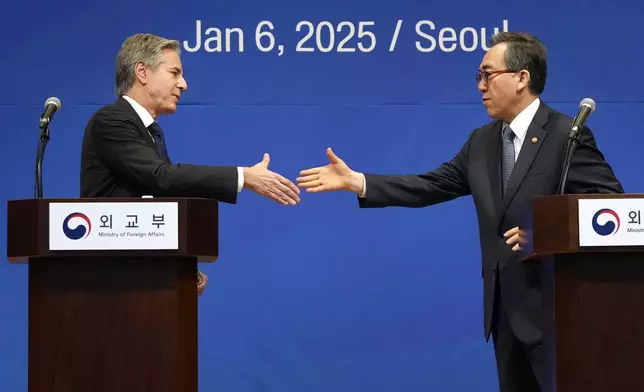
364,187
240,179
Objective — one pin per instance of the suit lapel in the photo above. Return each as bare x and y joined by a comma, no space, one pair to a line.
125,105
494,163
527,155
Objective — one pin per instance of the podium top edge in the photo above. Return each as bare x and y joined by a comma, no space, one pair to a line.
594,196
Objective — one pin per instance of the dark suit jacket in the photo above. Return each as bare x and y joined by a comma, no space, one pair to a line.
119,159
476,170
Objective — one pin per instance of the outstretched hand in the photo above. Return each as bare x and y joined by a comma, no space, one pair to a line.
332,177
269,184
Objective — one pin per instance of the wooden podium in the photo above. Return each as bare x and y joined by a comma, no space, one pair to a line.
593,289
112,290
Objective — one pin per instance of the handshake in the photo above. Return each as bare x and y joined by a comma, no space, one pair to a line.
332,177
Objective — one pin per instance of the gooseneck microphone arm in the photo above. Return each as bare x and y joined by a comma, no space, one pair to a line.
586,107
52,105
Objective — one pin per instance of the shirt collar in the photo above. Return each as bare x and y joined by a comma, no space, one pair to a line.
145,116
521,122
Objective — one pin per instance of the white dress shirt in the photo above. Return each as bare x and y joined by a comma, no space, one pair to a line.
519,126
147,119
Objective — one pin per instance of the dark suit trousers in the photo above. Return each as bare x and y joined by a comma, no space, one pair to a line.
520,366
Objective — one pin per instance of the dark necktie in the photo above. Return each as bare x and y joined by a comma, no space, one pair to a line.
159,140
508,155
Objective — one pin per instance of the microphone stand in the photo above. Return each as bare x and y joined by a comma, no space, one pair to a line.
40,155
571,145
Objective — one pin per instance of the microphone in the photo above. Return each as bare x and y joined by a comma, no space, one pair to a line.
52,105
586,107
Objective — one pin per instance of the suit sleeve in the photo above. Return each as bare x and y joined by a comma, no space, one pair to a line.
589,172
445,183
122,148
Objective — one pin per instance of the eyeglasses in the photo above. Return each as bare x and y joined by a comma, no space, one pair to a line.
485,76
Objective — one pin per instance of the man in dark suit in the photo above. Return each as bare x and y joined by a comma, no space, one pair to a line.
124,152
503,165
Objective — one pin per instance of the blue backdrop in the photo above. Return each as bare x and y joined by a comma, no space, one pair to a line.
321,296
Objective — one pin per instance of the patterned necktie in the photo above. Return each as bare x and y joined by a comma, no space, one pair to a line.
508,155
159,140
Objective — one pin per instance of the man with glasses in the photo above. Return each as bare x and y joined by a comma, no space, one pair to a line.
503,165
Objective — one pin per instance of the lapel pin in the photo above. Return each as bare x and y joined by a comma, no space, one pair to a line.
534,140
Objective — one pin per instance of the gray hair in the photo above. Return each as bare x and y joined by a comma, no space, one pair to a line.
525,51
145,48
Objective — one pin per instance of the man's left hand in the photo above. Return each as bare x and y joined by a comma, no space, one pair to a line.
516,237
